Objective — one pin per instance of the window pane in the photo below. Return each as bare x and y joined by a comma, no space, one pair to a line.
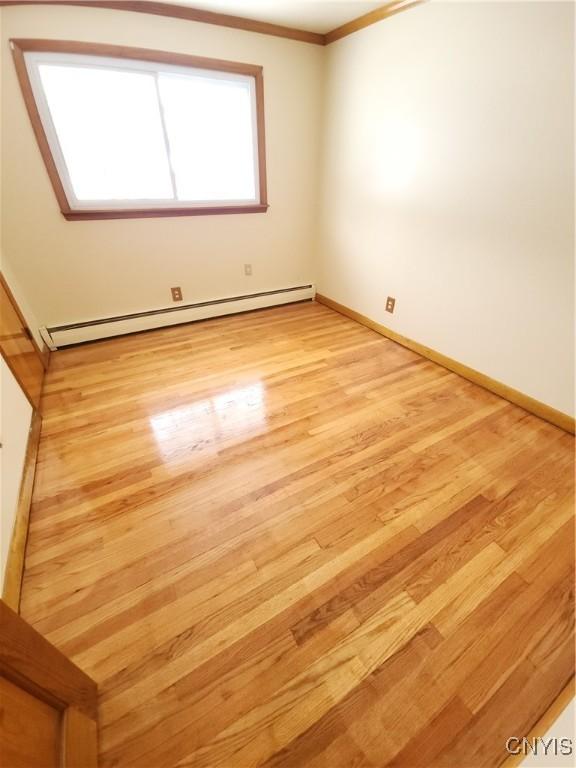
110,132
209,126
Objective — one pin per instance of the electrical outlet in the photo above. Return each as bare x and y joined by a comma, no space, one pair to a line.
176,293
248,270
390,304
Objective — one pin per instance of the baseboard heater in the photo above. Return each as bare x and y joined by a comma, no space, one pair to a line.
91,330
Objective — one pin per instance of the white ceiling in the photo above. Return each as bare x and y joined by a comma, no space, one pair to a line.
312,15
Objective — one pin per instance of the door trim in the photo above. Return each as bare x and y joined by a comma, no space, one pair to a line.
44,354
30,661
16,553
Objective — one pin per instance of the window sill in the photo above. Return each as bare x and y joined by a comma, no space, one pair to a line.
148,213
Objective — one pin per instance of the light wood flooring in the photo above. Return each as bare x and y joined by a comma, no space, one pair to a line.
279,539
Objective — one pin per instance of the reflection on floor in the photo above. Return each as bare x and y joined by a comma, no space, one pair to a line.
242,409
281,539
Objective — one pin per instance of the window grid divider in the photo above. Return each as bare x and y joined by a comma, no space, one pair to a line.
166,139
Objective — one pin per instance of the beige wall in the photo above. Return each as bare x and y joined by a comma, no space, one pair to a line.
446,142
73,271
448,184
15,418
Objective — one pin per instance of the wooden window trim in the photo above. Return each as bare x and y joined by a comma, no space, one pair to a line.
21,46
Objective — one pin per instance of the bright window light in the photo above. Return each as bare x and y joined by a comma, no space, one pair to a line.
110,132
210,133
128,134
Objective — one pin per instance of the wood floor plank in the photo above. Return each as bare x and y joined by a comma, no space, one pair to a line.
280,539
423,749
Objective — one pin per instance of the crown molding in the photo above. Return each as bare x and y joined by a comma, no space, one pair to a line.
187,13
390,9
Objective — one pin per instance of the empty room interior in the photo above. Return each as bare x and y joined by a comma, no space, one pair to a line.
287,384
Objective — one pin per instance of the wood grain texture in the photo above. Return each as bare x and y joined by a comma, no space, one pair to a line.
559,419
18,348
33,663
79,740
546,722
281,539
43,353
186,13
29,729
15,562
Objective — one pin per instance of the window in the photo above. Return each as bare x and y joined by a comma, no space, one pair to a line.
126,132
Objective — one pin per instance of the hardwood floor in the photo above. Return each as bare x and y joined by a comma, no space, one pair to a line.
279,539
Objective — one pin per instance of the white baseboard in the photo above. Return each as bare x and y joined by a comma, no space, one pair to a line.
102,328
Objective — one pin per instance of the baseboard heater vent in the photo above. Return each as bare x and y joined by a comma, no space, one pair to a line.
91,330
